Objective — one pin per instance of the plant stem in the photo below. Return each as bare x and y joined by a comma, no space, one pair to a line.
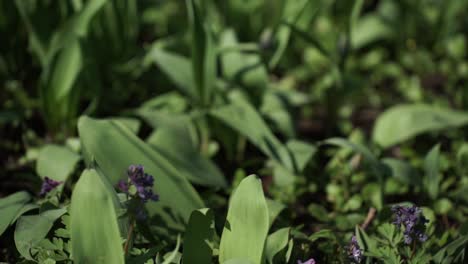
129,236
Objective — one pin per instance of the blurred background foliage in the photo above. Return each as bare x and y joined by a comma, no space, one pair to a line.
222,89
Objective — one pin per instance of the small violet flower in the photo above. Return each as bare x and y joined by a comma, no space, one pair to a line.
354,251
310,261
142,183
413,220
48,185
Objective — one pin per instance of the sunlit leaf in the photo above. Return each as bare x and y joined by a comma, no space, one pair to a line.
247,223
115,147
94,239
404,122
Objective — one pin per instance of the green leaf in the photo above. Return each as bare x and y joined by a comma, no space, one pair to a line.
370,28
275,243
174,253
241,68
404,122
247,223
198,236
56,162
365,243
132,124
301,152
203,51
344,143
9,208
115,147
324,233
175,143
432,170
243,118
176,67
274,209
58,82
32,229
402,171
95,235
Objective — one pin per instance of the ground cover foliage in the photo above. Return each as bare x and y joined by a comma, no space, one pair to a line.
233,132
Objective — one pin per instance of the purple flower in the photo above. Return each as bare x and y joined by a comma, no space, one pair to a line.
354,251
142,182
310,261
48,185
413,221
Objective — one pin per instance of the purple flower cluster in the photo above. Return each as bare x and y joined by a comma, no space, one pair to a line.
354,251
310,261
48,185
138,184
413,220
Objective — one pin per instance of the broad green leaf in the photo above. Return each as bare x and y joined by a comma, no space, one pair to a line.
404,122
203,51
243,118
237,261
176,145
9,208
275,243
198,236
56,162
132,124
176,67
32,229
95,235
431,168
115,147
247,223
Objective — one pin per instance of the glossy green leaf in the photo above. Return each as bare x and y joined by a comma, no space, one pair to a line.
404,122
94,239
9,208
56,162
431,168
32,229
275,243
247,223
115,147
198,236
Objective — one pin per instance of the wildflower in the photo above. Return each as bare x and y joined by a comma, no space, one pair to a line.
354,252
413,220
48,185
310,261
141,182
